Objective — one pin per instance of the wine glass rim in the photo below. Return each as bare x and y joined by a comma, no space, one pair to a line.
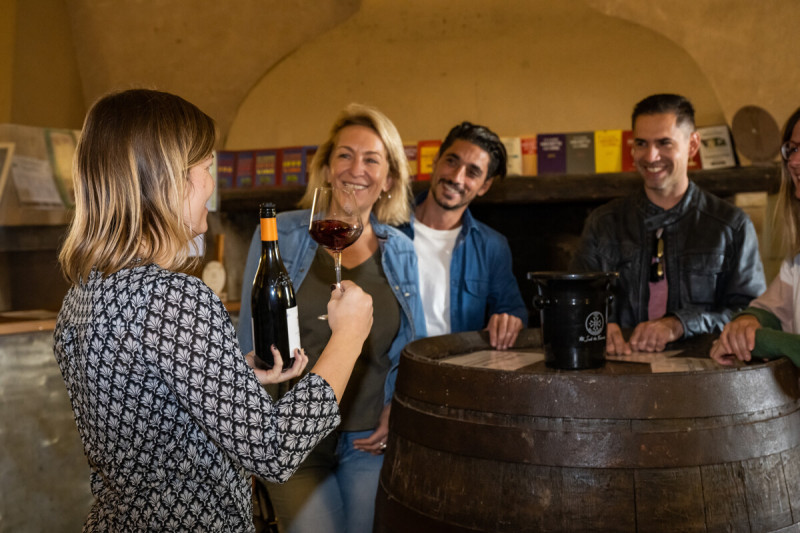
330,199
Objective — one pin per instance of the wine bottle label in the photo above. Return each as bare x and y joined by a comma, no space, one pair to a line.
269,229
293,325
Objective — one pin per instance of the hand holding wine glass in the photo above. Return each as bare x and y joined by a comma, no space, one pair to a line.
335,222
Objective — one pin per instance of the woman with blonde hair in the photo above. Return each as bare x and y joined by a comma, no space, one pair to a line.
170,413
770,327
334,489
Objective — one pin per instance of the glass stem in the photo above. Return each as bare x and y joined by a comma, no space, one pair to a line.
337,262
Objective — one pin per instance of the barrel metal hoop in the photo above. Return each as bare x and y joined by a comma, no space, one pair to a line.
599,443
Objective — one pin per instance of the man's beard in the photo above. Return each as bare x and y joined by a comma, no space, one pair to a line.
458,205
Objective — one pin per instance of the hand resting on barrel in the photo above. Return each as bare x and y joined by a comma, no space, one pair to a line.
503,330
615,342
653,335
737,341
650,336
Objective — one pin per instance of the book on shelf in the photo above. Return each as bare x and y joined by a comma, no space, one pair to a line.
244,170
528,149
716,147
267,168
226,163
551,153
293,170
213,202
627,151
580,152
607,151
513,155
426,155
411,156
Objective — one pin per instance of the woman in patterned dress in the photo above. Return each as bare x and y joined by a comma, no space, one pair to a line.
172,418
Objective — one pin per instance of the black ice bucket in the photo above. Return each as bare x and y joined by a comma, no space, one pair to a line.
574,311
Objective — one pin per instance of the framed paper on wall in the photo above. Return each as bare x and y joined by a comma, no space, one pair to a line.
6,153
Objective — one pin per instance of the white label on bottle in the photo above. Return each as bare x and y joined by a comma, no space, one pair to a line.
253,331
293,325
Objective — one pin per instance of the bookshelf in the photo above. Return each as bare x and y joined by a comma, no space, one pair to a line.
547,189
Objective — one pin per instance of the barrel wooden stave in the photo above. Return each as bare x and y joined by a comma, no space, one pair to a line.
750,495
598,442
523,465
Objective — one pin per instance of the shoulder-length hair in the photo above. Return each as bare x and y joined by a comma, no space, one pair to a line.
787,214
130,174
393,208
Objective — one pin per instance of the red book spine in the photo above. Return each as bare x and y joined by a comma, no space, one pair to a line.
426,154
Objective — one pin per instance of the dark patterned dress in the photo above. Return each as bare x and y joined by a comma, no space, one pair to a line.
171,417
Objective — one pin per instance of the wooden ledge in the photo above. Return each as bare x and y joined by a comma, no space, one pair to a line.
546,189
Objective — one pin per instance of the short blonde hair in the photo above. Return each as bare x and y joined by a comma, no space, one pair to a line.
130,175
393,208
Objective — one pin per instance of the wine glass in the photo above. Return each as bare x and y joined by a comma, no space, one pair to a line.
335,222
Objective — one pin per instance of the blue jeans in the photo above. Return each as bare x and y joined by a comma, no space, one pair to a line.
333,490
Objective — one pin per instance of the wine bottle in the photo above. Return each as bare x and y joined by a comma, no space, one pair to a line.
274,308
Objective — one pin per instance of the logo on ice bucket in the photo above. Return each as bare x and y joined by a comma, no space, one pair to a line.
594,323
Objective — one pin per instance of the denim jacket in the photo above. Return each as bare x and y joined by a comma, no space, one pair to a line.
481,280
297,249
713,267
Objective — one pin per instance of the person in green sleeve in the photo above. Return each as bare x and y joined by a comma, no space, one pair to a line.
770,327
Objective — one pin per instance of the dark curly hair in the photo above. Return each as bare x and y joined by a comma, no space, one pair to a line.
486,139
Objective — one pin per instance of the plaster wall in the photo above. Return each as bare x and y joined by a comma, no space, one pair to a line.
7,34
46,88
530,67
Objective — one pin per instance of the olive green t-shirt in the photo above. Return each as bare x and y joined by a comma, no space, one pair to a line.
362,402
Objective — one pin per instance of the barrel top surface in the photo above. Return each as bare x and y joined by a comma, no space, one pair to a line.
629,390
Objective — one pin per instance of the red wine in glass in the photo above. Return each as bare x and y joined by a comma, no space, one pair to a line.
334,235
335,223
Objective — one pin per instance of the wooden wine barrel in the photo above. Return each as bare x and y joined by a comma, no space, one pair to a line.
612,449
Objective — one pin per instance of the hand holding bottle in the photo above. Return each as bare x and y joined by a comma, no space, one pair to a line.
276,374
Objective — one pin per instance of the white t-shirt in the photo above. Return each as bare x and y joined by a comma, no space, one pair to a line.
434,251
782,297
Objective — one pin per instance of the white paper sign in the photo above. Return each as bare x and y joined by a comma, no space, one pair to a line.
33,179
716,148
496,359
683,364
642,357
